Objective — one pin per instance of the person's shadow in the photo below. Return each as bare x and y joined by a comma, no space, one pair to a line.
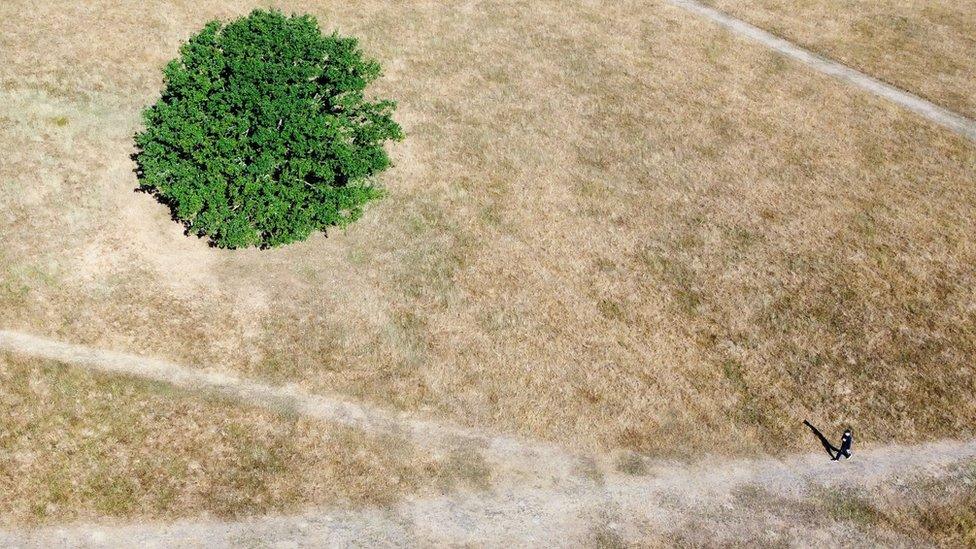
835,453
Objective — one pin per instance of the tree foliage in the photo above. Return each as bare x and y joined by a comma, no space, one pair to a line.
263,133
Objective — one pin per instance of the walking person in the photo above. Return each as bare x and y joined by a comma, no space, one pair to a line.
846,441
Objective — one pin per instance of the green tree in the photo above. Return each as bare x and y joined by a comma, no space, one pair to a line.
263,133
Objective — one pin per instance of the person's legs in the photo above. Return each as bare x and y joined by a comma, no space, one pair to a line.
834,453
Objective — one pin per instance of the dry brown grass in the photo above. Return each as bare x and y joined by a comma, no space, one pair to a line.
923,46
928,509
77,446
611,226
942,510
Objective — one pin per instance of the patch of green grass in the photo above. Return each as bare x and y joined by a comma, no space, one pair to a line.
491,214
407,332
465,467
593,190
748,410
18,280
630,463
677,278
605,537
716,49
848,505
741,238
588,468
776,63
279,363
611,309
358,256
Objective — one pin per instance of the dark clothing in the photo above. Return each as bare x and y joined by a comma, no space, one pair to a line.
845,445
835,453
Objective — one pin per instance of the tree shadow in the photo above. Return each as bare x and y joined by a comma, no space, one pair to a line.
165,201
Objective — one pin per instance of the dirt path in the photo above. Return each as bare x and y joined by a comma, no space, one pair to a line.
505,453
954,121
546,495
704,499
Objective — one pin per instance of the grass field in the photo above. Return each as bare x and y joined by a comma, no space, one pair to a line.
74,446
925,47
925,509
613,227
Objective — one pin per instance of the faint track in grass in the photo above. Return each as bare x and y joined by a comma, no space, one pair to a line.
954,121
503,451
